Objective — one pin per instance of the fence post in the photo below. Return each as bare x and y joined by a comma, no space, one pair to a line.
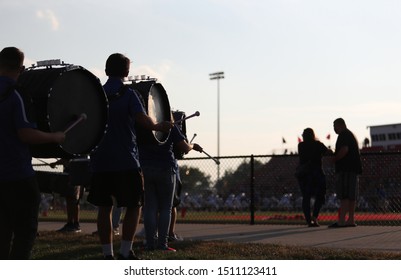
252,191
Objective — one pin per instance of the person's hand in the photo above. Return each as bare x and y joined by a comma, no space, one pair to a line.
164,126
198,148
58,137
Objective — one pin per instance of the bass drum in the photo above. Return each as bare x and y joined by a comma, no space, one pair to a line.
59,95
155,101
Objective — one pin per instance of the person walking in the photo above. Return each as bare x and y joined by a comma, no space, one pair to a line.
313,181
348,166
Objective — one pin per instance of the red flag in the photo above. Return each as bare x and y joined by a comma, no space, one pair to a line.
299,139
328,136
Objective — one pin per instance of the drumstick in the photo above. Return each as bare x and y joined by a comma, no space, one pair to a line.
196,114
215,159
42,161
193,137
81,118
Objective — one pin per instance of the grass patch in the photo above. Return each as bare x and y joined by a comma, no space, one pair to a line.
52,245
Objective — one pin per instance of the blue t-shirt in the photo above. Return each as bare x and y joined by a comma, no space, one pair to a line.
15,156
118,149
161,155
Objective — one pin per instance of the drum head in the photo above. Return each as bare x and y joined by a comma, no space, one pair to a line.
74,93
155,101
158,110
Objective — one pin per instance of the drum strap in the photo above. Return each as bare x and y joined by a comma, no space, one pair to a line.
118,94
6,93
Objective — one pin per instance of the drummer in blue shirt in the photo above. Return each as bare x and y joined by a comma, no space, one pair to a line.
116,172
159,169
20,196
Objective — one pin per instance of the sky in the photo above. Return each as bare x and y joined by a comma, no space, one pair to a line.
288,64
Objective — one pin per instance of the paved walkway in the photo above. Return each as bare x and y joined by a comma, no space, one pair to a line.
362,237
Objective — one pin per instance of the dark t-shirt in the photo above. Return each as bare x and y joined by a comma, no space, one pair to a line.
161,155
118,149
352,161
15,156
311,152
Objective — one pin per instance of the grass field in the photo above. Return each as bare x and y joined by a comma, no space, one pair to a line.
52,245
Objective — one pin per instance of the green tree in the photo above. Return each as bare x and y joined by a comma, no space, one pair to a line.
194,181
238,180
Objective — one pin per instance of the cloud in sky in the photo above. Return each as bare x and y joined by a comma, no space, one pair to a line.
160,71
49,16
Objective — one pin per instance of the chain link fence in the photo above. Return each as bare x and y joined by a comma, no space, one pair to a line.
256,190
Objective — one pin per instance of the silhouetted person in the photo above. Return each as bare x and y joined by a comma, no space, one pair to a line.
115,162
348,166
313,181
20,195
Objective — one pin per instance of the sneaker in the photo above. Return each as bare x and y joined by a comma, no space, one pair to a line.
65,228
77,227
167,249
175,237
131,256
313,224
68,227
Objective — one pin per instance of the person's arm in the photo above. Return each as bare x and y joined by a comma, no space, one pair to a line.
35,136
325,150
341,153
148,123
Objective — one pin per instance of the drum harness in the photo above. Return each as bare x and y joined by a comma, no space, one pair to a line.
123,89
118,94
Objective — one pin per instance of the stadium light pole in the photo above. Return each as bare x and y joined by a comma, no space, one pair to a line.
218,76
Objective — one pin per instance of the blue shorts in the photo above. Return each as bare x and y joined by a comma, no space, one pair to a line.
126,187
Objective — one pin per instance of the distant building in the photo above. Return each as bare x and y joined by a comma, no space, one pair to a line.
384,138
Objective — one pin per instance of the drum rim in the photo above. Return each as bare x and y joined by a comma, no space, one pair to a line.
168,111
60,70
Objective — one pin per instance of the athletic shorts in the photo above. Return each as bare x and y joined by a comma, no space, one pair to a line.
347,185
126,187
